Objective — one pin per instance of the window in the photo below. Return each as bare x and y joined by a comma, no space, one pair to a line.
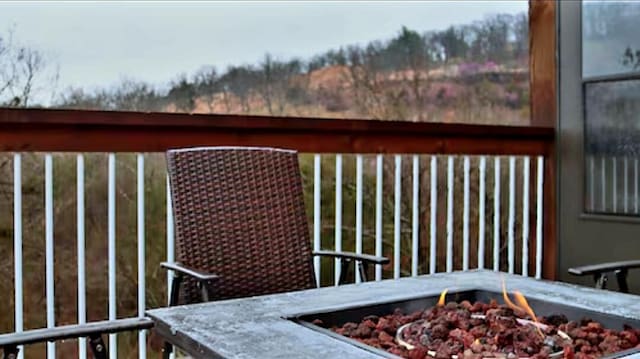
611,79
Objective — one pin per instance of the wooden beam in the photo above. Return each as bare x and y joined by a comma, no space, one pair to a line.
542,62
100,131
543,101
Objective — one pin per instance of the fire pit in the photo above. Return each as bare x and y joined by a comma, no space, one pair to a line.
465,329
478,324
282,325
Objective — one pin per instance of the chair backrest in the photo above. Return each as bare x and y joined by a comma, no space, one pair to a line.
239,213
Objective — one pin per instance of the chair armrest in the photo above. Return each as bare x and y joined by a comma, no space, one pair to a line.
74,331
191,272
354,256
599,268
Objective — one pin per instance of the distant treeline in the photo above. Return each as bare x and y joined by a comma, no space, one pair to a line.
379,79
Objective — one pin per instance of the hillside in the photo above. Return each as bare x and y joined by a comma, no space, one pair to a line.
467,73
476,93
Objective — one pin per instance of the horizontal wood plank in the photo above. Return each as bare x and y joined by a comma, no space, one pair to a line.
104,131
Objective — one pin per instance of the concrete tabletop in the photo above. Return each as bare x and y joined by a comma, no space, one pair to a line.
257,327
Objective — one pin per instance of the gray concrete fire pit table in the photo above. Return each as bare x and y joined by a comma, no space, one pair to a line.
260,327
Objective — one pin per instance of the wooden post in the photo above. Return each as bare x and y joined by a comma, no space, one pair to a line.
543,80
542,62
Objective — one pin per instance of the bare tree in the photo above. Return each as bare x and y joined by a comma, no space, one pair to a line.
77,98
374,93
133,96
183,94
240,81
412,58
207,85
277,81
29,64
21,69
128,95
365,76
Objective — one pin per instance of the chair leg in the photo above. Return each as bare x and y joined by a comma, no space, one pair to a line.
362,268
97,346
10,352
600,280
204,291
174,297
344,270
621,276
168,349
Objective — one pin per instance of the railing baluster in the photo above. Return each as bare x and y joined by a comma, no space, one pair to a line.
415,220
496,214
465,215
171,249
358,210
49,260
603,175
396,218
526,163
614,183
433,208
316,214
482,170
111,245
450,174
512,215
635,184
539,217
379,168
338,229
626,185
81,258
17,246
592,180
142,342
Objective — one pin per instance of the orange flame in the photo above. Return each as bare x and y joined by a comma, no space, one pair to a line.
442,297
523,305
506,297
522,301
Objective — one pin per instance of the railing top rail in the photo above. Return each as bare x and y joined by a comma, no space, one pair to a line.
88,118
82,130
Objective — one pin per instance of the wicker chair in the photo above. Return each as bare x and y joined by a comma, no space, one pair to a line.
241,227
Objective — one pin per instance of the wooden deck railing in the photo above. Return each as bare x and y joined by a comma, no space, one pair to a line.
44,130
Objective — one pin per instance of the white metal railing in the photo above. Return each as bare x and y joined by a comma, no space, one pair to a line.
82,292
396,217
17,247
48,190
524,163
455,247
612,185
113,343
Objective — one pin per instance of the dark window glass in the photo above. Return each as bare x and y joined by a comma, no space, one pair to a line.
612,146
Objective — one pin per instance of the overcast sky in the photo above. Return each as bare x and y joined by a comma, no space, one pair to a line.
99,43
